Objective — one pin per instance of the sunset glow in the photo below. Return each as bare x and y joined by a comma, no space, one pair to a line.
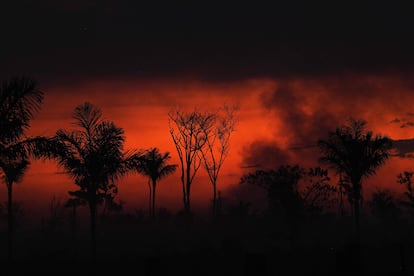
276,116
290,191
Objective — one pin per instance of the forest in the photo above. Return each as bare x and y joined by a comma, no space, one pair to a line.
316,220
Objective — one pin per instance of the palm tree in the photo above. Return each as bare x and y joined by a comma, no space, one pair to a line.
355,153
153,164
13,171
19,100
93,156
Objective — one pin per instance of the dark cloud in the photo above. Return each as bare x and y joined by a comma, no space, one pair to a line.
407,124
403,148
100,39
403,122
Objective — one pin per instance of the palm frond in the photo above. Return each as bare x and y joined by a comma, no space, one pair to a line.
167,170
19,100
86,116
13,170
354,152
153,164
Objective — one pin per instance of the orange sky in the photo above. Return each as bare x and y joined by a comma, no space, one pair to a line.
274,115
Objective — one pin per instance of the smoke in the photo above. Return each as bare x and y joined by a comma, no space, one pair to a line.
306,110
263,154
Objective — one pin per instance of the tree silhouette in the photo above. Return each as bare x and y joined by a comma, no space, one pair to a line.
355,153
93,156
317,193
383,205
19,100
217,146
73,203
405,178
154,165
188,133
282,189
293,192
13,171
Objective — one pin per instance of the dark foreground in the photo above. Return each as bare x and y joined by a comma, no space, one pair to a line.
232,246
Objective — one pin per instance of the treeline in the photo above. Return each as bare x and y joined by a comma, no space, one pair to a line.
93,154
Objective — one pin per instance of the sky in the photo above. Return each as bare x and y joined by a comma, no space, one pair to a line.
297,70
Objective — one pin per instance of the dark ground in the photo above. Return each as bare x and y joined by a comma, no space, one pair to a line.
249,245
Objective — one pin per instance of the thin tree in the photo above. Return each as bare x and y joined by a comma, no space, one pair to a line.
93,156
13,171
188,133
153,165
355,153
217,145
20,99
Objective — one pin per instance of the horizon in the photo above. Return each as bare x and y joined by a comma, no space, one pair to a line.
141,109
296,70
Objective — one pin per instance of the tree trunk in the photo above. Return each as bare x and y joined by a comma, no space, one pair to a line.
188,185
154,185
184,192
150,198
214,199
357,198
188,209
74,226
357,242
356,218
10,221
92,209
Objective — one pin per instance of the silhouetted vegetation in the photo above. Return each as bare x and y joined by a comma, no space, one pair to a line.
154,165
294,194
217,145
189,133
19,100
354,153
304,225
383,205
93,156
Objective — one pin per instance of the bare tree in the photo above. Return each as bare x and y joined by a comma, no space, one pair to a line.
188,131
217,145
